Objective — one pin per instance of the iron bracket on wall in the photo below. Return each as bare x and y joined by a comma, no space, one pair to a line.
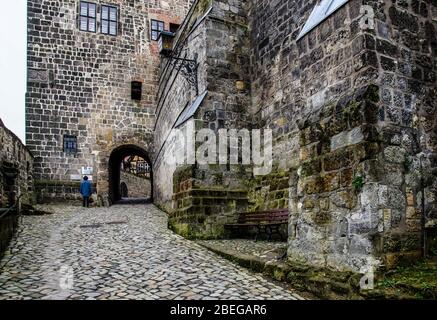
189,69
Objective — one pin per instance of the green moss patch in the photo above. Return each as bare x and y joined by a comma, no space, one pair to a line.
418,281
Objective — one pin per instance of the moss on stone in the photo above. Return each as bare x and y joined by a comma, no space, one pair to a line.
57,183
418,281
202,6
279,275
182,174
182,229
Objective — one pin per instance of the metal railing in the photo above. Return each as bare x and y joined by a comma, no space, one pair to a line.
15,206
16,233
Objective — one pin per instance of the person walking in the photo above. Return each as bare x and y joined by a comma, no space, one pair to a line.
85,191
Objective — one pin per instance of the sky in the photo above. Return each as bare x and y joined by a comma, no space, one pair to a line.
13,65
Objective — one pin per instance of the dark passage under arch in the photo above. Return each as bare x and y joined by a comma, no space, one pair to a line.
124,190
114,166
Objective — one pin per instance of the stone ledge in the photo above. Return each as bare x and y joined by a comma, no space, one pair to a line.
58,183
322,283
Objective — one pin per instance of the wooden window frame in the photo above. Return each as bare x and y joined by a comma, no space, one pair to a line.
152,30
109,20
88,17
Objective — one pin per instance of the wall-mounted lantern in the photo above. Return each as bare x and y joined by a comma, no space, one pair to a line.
165,42
187,67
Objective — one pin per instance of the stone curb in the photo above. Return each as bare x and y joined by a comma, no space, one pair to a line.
324,284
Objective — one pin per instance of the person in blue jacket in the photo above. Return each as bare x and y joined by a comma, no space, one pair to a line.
86,191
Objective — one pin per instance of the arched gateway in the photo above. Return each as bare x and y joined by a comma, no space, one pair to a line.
140,170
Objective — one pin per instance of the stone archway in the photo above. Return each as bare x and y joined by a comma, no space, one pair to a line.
114,172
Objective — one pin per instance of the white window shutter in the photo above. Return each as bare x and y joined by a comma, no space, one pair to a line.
105,13
83,9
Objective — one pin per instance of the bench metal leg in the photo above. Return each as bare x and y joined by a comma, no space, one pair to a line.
269,233
277,232
258,231
273,230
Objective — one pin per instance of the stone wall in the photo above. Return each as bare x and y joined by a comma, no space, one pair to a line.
201,199
341,105
174,94
351,109
8,227
137,187
80,84
16,174
16,182
405,43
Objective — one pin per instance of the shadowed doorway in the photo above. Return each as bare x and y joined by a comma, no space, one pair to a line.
130,175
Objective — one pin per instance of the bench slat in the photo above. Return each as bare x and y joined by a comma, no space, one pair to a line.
270,217
255,224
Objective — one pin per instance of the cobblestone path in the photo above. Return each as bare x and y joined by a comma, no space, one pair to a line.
124,252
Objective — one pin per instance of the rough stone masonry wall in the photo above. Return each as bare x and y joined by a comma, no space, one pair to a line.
138,187
174,95
207,197
325,99
16,169
405,42
80,84
16,179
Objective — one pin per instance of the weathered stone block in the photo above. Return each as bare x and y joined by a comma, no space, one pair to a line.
346,139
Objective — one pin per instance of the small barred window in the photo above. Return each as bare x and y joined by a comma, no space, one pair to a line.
70,144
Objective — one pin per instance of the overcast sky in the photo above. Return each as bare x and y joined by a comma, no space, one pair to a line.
13,65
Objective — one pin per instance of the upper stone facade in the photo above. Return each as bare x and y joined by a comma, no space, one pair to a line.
79,85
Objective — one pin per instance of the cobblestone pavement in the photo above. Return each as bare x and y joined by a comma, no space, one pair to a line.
125,252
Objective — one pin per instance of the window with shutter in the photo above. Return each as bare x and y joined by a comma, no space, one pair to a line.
88,16
157,27
109,20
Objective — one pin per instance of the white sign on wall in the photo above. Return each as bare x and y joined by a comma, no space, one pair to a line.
87,170
76,177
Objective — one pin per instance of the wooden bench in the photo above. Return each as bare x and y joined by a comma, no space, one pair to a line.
268,222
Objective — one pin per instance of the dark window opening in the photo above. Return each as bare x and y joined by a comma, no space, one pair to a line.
70,144
174,27
109,20
137,90
88,14
157,27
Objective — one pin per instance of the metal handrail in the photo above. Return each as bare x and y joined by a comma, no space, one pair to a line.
14,206
17,233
